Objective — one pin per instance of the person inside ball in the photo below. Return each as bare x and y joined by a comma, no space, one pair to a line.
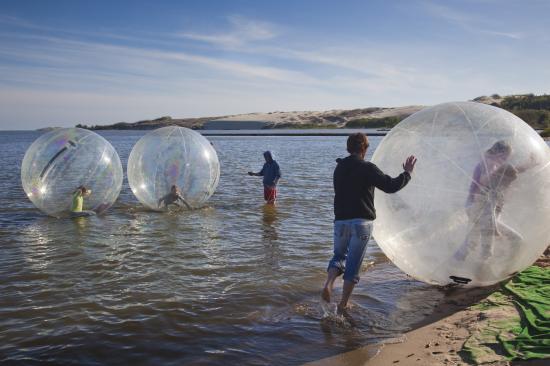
172,198
271,174
354,181
78,199
491,178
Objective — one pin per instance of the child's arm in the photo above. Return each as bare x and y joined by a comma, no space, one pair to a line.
184,202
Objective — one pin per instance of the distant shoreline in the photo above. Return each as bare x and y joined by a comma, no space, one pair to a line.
341,132
533,109
264,132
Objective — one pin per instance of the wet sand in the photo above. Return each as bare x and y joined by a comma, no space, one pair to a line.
436,340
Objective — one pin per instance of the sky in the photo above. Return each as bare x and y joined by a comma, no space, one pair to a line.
64,62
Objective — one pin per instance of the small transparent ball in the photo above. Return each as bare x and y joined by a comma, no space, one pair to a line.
173,156
477,207
60,161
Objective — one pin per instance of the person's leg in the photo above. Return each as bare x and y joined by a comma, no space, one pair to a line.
475,213
487,239
272,195
472,241
361,232
512,244
347,290
336,265
489,232
332,274
512,235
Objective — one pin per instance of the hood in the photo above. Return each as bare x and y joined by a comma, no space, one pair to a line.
347,164
268,155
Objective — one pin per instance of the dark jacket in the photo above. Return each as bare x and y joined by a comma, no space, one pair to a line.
354,181
270,171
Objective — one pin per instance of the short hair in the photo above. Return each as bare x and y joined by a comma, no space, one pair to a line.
357,142
500,147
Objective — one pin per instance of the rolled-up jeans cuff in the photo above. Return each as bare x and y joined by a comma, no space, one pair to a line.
337,265
354,279
350,243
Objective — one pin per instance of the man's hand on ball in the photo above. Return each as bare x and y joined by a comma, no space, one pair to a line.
408,165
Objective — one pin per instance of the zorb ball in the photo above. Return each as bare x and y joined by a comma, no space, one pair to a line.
60,161
173,157
477,208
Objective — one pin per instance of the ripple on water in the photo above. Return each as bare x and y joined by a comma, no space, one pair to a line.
235,282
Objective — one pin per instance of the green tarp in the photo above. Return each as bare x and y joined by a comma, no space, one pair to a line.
531,294
515,321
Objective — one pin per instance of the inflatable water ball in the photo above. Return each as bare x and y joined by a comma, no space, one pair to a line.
60,161
173,167
477,208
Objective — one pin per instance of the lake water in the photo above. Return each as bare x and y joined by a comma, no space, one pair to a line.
232,283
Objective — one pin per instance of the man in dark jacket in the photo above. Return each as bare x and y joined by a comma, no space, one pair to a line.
354,182
271,173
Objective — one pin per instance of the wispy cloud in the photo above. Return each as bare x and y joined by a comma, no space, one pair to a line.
107,75
242,31
468,21
18,22
60,52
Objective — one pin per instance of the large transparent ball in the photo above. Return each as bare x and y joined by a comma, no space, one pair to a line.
477,208
173,156
63,159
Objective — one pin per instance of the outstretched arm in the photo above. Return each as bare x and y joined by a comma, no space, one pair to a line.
391,185
259,174
388,184
184,202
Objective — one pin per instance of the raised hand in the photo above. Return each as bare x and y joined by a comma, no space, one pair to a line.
408,165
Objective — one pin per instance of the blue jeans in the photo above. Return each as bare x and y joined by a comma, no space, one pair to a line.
350,243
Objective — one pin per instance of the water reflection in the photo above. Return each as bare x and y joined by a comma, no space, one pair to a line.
270,235
80,224
237,279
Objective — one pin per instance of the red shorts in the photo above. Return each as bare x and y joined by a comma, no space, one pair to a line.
270,194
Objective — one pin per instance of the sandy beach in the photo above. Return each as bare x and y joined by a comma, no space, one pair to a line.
439,338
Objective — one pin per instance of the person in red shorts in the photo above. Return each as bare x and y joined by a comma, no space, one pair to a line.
271,174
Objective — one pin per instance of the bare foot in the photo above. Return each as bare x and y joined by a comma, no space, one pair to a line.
325,294
342,310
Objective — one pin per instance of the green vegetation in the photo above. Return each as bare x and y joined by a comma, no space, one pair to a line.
538,119
533,109
546,132
383,122
527,101
116,126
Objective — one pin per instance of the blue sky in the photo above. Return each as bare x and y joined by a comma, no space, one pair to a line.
99,62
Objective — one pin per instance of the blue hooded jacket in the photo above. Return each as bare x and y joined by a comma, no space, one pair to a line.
270,170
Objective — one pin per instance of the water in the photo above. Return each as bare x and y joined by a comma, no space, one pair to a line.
233,282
